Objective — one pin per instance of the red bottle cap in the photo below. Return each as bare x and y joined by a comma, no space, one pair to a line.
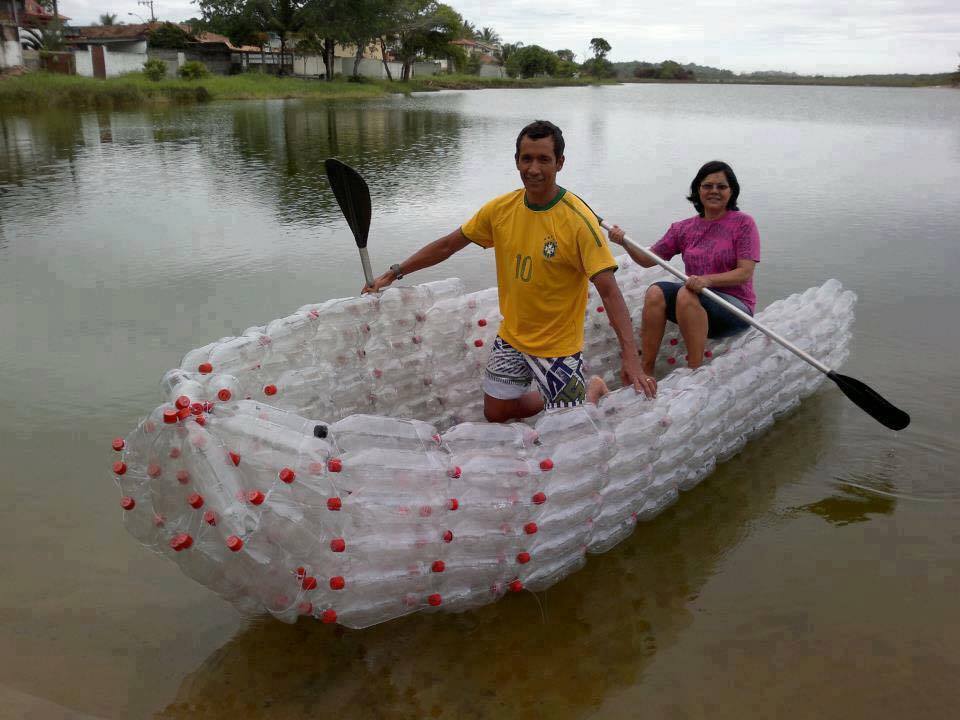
337,583
183,413
601,309
205,368
174,452
335,465
516,586
671,361
196,408
546,464
478,343
448,536
453,504
118,444
182,402
435,599
287,475
455,472
673,341
530,528
481,322
707,353
201,420
128,503
309,583
170,416
334,504
119,467
438,566
224,394
234,543
210,518
338,545
234,458
539,499
523,558
270,390
195,500
181,542
328,617
255,497
154,470
183,477
305,608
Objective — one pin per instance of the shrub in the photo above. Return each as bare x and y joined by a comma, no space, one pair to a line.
168,36
193,70
155,69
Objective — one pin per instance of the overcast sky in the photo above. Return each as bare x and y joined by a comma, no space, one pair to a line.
830,37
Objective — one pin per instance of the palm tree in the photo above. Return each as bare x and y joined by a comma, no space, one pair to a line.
489,36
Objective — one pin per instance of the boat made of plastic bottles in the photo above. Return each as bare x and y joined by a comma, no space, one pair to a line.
335,463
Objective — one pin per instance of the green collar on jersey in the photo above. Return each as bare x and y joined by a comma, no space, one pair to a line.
539,208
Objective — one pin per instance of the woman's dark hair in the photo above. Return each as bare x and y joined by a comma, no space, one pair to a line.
541,129
708,169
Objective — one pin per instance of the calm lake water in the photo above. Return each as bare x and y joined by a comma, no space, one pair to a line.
814,575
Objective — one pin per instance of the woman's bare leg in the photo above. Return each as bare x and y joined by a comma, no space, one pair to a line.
652,324
693,322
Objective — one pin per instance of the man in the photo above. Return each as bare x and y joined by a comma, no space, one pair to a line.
547,243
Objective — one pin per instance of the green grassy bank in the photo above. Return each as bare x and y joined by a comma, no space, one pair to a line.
40,91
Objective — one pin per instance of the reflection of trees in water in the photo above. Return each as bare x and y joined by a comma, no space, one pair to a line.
555,655
30,144
853,504
278,150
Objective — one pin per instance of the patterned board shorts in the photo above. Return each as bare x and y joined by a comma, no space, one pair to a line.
509,373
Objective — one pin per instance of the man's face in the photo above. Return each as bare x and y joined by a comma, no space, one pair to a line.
538,165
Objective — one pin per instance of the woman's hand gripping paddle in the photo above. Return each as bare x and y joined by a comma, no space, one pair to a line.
353,197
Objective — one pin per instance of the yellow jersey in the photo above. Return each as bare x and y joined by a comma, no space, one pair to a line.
545,255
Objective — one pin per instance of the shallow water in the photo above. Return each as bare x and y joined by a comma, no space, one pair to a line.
814,575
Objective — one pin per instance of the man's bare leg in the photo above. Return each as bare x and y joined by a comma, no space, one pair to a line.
596,389
501,411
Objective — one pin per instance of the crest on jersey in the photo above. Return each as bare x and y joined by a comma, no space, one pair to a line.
549,247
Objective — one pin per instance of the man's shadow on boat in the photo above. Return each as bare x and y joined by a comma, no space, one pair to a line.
553,654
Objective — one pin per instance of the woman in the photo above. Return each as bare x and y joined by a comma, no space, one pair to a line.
720,247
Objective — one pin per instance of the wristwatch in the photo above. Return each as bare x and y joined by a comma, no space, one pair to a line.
397,274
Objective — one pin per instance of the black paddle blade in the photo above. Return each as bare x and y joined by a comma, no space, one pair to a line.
352,196
871,402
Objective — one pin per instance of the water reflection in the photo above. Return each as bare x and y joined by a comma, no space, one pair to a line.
280,150
558,654
853,504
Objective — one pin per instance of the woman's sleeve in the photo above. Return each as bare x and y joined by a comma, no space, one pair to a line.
747,241
669,245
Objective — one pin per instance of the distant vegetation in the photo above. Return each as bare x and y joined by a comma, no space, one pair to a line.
671,70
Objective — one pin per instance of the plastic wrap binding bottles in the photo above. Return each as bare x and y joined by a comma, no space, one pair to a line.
335,463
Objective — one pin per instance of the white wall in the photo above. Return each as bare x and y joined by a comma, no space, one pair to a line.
312,66
424,68
123,62
84,62
495,71
117,61
10,54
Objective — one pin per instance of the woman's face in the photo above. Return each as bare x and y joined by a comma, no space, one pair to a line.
715,193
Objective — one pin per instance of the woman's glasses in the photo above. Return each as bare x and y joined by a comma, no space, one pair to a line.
711,186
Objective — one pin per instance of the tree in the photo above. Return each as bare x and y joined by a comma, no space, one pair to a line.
468,30
600,48
507,50
424,28
566,55
489,36
168,36
279,16
532,61
108,19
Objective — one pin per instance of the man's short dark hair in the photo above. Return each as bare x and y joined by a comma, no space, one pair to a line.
540,129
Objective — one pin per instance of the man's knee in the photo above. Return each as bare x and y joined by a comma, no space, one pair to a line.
497,411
